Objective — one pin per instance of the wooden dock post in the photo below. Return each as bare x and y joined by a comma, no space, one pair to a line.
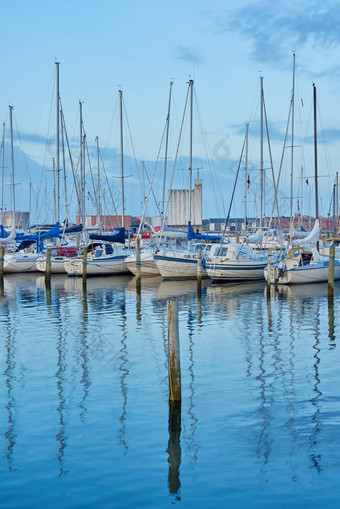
48,265
237,238
2,256
138,268
77,239
331,271
84,264
269,271
199,272
174,365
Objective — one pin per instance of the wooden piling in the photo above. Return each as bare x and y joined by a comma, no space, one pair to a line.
199,271
269,271
84,264
2,256
331,271
237,238
77,239
174,366
48,264
138,268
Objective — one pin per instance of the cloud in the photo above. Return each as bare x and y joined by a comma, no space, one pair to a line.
32,138
276,28
189,55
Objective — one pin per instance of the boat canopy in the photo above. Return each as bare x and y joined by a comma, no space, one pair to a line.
52,233
119,236
199,236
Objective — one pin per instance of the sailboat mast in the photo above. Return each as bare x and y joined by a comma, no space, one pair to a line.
292,151
166,149
337,202
121,153
57,144
315,155
246,181
12,164
191,86
82,202
261,155
2,173
98,184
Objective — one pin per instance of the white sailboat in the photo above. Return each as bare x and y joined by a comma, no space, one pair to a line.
303,263
235,262
107,259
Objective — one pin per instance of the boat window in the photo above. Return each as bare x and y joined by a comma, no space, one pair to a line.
108,249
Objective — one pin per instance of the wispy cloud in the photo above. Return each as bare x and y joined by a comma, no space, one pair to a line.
275,28
189,55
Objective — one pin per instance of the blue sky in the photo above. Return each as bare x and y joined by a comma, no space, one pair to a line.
139,47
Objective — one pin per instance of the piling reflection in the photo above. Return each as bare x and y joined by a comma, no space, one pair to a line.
174,446
9,373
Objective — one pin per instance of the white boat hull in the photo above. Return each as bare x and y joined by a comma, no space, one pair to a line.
178,267
148,265
303,275
222,272
57,265
20,262
100,266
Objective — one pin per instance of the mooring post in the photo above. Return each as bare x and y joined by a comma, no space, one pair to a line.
331,271
174,365
237,238
2,256
138,268
269,271
77,239
84,264
48,264
199,271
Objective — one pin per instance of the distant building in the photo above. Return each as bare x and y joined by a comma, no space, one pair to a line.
178,210
22,219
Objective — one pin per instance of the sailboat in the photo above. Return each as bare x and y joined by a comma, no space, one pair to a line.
179,260
303,263
104,258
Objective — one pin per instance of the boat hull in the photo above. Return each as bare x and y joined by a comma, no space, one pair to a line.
224,272
103,266
17,262
303,275
57,265
178,267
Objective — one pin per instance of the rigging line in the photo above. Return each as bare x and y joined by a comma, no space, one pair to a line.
108,185
175,160
282,156
109,133
205,147
232,196
92,179
132,146
75,180
272,168
151,182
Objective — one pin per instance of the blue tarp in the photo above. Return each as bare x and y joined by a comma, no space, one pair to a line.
118,237
54,233
3,233
192,235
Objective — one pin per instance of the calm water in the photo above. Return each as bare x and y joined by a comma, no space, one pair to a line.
84,413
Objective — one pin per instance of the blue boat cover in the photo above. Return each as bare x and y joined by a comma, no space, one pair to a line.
192,235
117,237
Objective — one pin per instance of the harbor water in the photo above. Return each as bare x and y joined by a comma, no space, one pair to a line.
85,419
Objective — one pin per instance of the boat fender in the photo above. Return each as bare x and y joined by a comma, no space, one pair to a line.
204,263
